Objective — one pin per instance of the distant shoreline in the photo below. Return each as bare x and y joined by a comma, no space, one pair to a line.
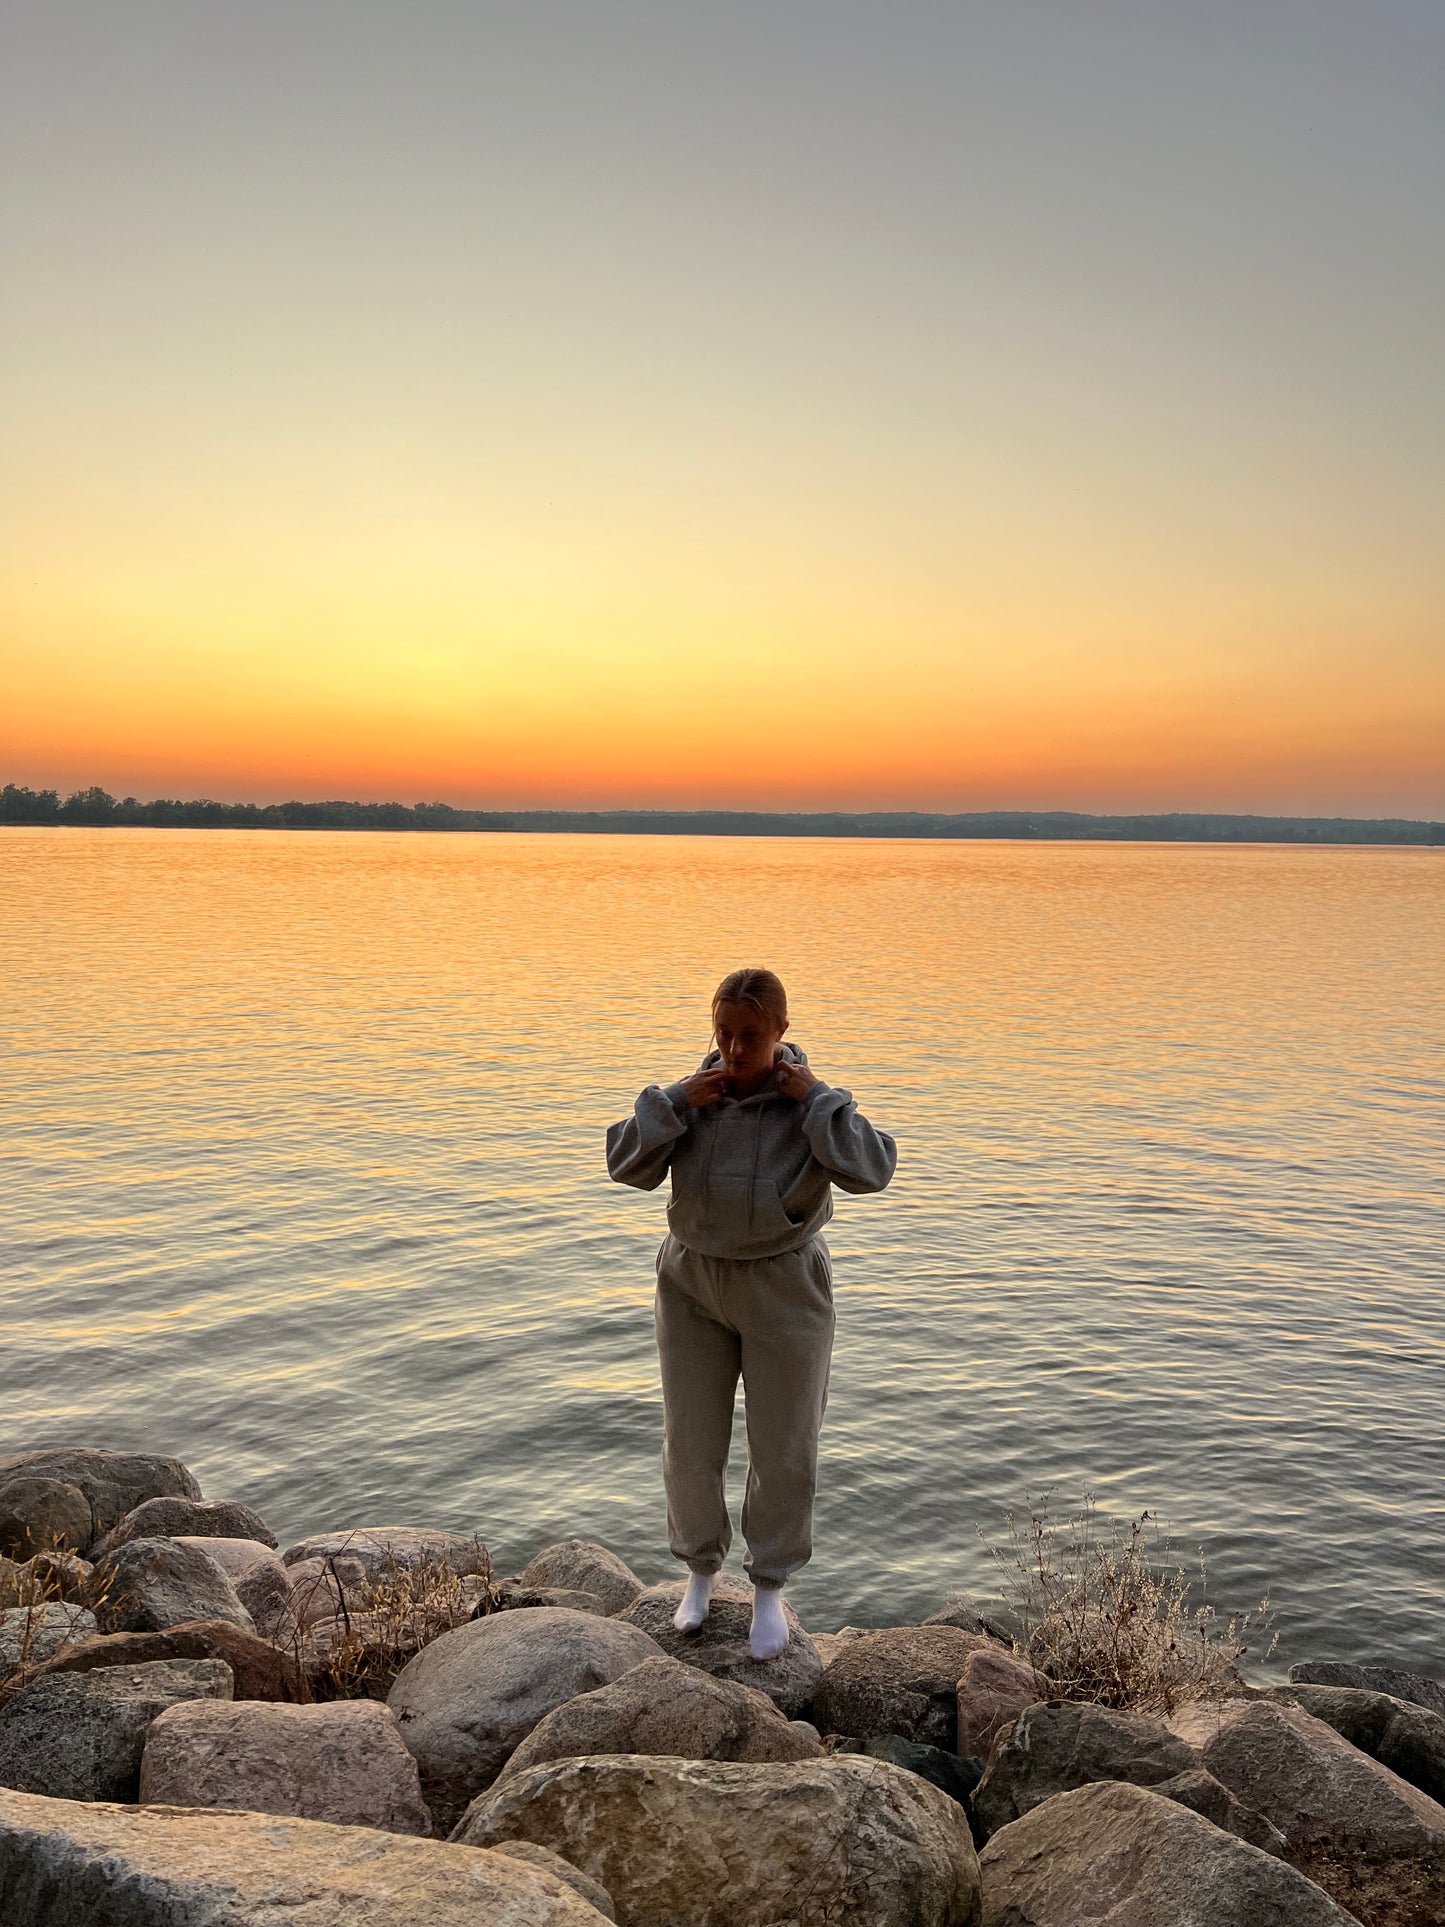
95,809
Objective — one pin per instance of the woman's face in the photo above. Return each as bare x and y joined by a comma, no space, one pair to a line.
749,1045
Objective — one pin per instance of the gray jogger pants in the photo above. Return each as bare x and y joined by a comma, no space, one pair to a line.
770,1321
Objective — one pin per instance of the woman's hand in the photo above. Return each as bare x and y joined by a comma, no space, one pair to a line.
794,1080
704,1088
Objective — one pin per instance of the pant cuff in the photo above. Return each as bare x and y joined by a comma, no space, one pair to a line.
763,1584
703,1568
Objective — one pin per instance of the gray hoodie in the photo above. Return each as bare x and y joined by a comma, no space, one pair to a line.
751,1177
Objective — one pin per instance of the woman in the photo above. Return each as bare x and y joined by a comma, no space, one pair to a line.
755,1142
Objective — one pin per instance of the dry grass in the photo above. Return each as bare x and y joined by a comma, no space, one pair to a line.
1108,1614
386,1620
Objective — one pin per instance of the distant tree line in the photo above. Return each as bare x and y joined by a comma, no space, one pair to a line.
96,807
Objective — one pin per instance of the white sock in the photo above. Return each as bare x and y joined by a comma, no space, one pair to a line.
695,1602
768,1634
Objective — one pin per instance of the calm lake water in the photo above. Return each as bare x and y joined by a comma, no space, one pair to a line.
304,1183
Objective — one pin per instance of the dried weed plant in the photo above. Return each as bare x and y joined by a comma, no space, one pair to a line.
385,1620
1107,1613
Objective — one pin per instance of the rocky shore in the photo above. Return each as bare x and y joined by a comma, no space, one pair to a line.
372,1728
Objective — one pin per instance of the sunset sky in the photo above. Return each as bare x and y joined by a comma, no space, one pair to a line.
807,403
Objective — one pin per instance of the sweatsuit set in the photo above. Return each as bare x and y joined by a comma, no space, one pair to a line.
745,1288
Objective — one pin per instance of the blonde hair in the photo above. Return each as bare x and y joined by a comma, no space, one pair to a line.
761,989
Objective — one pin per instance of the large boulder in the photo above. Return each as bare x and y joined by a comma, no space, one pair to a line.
664,1707
30,1635
512,1596
387,1550
993,1689
114,1483
900,1679
1054,1748
79,1736
1369,1838
320,1588
55,1575
345,1763
1406,1738
260,1670
580,1565
543,1858
39,1514
262,1583
469,1699
723,1844
62,1864
149,1584
1120,1856
173,1518
1419,1688
720,1646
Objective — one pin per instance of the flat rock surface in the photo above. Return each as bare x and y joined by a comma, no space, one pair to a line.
1419,1688
113,1482
666,1707
899,1679
467,1700
147,1585
581,1565
1365,1835
79,1736
260,1671
176,1518
383,1549
344,1763
67,1865
30,1635
718,1844
1115,1855
720,1646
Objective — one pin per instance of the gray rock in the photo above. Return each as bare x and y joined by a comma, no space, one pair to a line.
544,1859
1369,1838
1405,1737
1117,1855
79,1736
31,1635
470,1698
722,1844
261,1671
1052,1749
63,1864
344,1763
663,1707
385,1550
113,1482
994,1688
900,1679
39,1514
173,1518
720,1647
1418,1688
262,1583
320,1587
581,1565
147,1585
1202,1793
513,1596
